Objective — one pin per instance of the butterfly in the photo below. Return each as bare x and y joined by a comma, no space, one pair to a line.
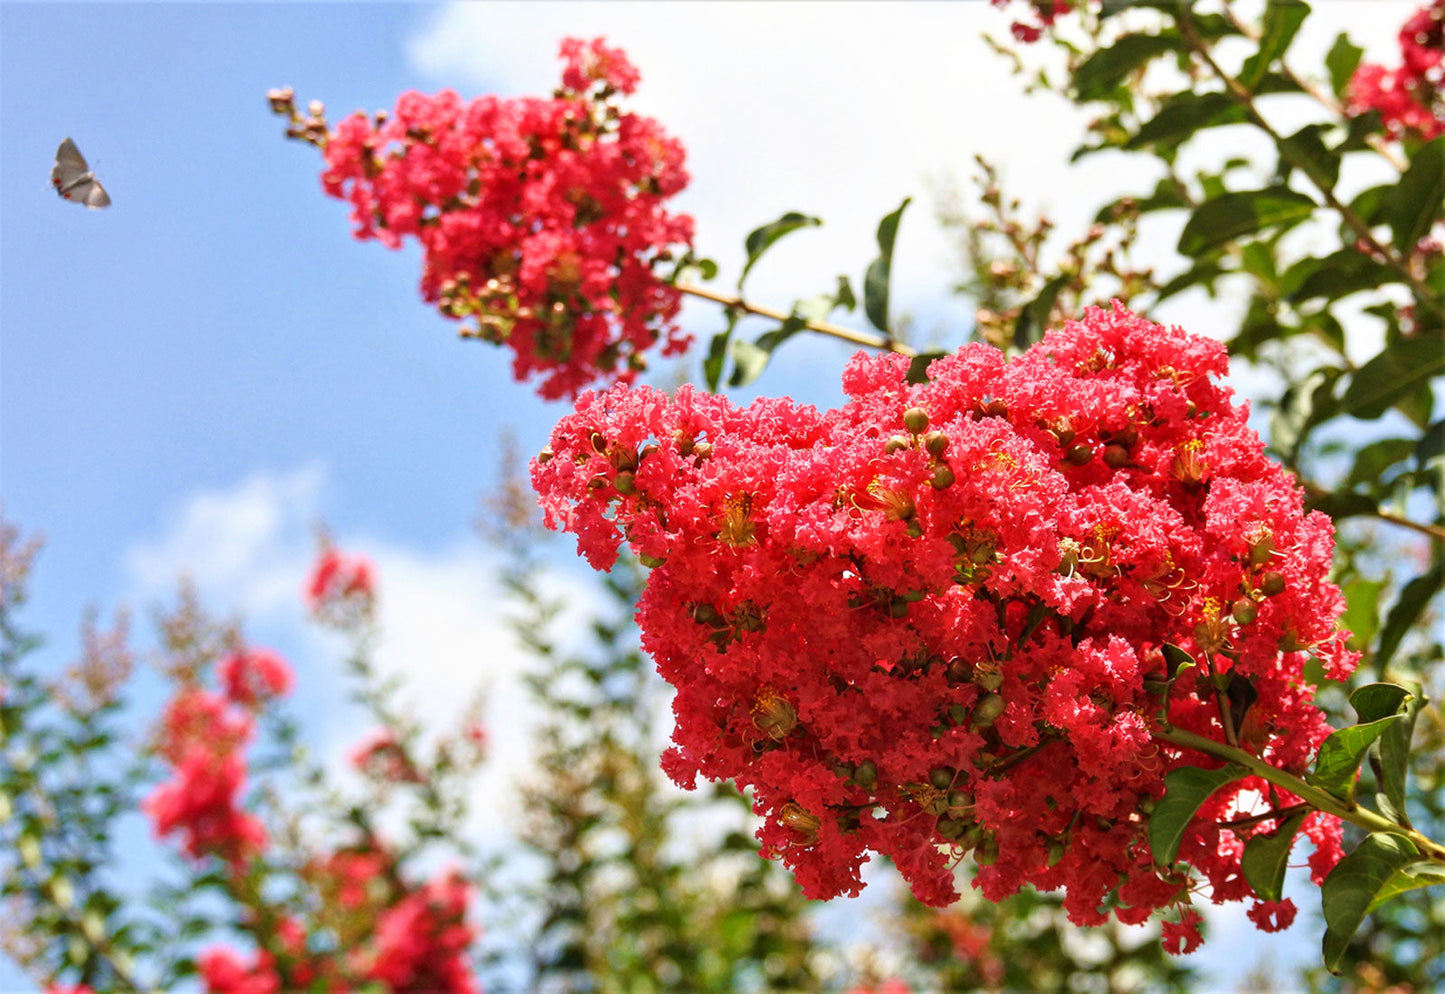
73,179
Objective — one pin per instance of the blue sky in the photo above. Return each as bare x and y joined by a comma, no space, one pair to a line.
193,378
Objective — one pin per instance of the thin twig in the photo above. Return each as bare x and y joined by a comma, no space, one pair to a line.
884,343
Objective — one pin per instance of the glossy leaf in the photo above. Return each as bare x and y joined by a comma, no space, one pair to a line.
1391,375
1341,754
918,368
1242,213
1394,764
1108,67
1185,789
1336,275
1351,888
1282,21
1419,198
1266,857
1341,61
761,239
876,280
1422,873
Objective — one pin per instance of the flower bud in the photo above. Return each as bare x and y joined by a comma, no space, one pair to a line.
942,477
1271,583
987,710
936,442
951,828
915,419
865,774
1244,611
897,443
625,483
1078,455
941,777
1116,456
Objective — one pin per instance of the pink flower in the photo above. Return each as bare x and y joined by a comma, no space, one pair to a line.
542,220
421,941
380,755
1410,97
341,588
252,677
979,577
1182,937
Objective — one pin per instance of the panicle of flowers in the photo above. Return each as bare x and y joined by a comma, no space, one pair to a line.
1410,97
252,677
1041,14
382,756
202,738
542,219
341,590
933,622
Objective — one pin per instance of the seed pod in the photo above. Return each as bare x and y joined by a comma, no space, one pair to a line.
1116,456
896,443
987,710
1245,611
545,456
1078,455
996,409
936,442
942,477
915,419
959,670
1271,583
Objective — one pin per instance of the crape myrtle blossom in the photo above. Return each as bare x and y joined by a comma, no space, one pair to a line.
934,621
1041,13
1410,97
542,219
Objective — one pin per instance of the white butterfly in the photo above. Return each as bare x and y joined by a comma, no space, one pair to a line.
73,179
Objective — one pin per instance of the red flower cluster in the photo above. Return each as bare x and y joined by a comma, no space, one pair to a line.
342,588
542,220
202,737
405,939
252,678
1043,13
1410,97
381,756
935,620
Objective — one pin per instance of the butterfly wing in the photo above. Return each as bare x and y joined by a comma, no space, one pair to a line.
73,180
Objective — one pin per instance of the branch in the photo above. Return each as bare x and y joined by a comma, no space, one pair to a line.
1245,99
884,343
1316,798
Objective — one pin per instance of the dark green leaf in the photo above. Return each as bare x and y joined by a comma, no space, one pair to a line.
1266,857
1341,754
1218,220
876,280
1201,272
1108,67
750,358
1035,314
1305,150
918,368
1341,61
1391,375
717,352
1419,197
1394,750
1373,460
1185,789
1185,113
1422,873
1344,504
1281,21
1375,701
1336,275
1353,885
1431,445
1413,600
759,240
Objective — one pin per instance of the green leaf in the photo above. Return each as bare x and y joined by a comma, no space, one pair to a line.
918,368
1336,275
750,358
1375,701
1183,114
1034,315
1391,375
759,240
1341,754
717,352
1108,67
1431,445
876,279
1374,460
1200,272
1423,873
1218,220
1343,57
1281,21
1266,857
1351,888
1185,789
1394,764
1418,199
1304,405
1305,150
1362,611
1413,600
